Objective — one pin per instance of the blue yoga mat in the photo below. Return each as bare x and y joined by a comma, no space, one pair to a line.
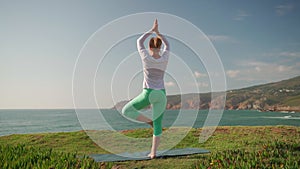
143,155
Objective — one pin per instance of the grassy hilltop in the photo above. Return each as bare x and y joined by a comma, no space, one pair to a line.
231,147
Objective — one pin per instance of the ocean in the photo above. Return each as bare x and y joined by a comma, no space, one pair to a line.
64,120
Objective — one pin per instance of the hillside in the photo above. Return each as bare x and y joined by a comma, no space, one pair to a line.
278,96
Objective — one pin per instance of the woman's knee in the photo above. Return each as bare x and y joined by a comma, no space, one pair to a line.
130,112
124,110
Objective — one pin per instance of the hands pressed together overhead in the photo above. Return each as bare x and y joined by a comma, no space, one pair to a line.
155,27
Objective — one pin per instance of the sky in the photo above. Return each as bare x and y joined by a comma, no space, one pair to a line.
40,41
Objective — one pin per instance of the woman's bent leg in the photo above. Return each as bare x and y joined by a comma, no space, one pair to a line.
131,109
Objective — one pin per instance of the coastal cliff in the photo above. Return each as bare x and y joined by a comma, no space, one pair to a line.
277,96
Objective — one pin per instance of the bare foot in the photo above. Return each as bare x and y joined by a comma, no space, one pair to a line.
152,156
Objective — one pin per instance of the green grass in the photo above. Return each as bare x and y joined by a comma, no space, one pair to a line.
231,147
292,101
21,156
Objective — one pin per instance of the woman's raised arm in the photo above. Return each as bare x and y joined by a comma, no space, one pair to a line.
163,39
141,40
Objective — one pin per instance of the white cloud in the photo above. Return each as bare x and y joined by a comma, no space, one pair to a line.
265,71
221,38
265,67
282,54
232,73
290,54
241,15
283,9
283,68
283,57
218,37
257,68
169,84
199,84
254,63
199,75
202,84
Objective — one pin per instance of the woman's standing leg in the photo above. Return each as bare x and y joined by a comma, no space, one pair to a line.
158,100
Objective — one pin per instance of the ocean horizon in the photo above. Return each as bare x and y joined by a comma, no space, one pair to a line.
24,121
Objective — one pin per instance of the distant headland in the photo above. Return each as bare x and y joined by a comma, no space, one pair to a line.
281,96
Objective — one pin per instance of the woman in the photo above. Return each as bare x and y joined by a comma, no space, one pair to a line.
154,94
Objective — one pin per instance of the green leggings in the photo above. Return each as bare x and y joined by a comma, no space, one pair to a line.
158,100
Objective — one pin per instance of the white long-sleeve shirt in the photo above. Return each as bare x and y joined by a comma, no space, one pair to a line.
153,69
